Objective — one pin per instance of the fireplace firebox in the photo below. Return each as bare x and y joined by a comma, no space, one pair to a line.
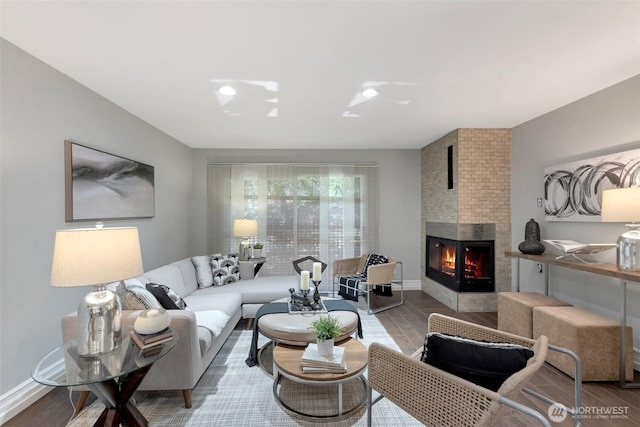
461,265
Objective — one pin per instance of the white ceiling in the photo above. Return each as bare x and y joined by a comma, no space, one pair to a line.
298,65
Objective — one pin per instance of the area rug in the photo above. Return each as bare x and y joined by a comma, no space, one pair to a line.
232,394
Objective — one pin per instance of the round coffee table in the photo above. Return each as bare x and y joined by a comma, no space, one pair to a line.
305,395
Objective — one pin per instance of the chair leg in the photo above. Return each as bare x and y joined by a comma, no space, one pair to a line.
249,322
370,405
82,399
186,394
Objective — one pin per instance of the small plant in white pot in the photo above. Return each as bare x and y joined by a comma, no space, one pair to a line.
326,329
257,250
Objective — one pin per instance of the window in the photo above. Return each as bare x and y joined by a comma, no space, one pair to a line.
325,211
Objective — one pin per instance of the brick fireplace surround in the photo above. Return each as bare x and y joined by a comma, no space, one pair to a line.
481,193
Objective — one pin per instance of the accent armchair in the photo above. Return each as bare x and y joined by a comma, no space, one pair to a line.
438,398
358,276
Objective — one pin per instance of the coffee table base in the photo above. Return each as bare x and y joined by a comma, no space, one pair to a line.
320,401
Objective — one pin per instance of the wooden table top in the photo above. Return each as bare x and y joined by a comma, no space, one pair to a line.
287,358
609,270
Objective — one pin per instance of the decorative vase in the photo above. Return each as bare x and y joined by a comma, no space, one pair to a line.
257,253
152,321
532,244
325,347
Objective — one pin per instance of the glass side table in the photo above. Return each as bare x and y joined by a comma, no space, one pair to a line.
113,377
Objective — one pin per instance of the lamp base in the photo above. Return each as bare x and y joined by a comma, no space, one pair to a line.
99,322
628,253
244,250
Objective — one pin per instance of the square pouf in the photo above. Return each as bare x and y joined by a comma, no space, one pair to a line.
515,311
593,337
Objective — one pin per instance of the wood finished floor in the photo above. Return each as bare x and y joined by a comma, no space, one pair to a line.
407,325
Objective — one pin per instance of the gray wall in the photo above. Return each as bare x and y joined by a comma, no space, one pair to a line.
605,122
399,193
40,108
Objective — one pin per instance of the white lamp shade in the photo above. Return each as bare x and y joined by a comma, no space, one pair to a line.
95,256
621,205
245,227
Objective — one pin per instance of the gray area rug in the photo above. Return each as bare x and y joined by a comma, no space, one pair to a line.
232,394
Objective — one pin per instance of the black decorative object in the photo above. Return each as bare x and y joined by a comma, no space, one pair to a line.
300,302
316,292
532,244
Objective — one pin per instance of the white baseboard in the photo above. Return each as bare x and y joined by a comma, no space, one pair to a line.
19,398
25,394
409,285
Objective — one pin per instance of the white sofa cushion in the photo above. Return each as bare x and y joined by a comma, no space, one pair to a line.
188,275
213,320
259,290
210,325
228,302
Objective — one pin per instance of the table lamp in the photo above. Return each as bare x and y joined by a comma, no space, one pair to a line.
623,205
245,228
96,257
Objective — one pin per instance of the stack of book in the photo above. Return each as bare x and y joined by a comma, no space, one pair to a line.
150,344
313,362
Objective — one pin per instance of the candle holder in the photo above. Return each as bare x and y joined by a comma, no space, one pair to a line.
316,292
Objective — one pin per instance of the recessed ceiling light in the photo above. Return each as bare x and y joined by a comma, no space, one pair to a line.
370,92
226,90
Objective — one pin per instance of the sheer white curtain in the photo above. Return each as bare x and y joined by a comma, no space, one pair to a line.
326,211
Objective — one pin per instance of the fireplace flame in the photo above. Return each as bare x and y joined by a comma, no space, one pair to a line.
448,261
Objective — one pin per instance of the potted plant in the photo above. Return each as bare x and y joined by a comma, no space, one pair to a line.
257,250
326,329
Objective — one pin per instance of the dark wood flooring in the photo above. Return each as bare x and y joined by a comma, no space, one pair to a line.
407,325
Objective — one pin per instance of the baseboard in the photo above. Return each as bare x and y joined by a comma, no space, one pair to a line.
25,394
409,285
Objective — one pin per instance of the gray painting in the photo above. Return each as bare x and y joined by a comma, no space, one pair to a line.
104,186
573,191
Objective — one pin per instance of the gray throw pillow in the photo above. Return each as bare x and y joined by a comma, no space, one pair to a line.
204,275
134,296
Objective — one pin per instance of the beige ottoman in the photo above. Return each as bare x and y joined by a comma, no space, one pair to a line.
593,337
293,329
515,311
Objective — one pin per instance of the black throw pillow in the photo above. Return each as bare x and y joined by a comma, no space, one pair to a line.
484,363
166,297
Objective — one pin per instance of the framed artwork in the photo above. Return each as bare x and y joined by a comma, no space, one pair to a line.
573,191
99,185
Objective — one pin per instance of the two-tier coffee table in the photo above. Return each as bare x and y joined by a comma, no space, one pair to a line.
311,396
113,377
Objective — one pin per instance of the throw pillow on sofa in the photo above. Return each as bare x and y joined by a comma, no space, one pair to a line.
167,298
134,296
204,275
225,269
484,363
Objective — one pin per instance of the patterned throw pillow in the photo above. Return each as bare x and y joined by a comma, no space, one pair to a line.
134,296
204,276
167,298
374,259
225,269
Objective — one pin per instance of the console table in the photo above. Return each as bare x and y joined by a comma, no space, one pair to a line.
607,270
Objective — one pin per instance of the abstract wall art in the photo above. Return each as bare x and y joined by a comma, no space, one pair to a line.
573,191
99,185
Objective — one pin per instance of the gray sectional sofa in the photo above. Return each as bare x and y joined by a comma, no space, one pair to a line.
211,315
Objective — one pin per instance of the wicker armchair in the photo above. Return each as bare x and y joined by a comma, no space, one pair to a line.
437,398
376,275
